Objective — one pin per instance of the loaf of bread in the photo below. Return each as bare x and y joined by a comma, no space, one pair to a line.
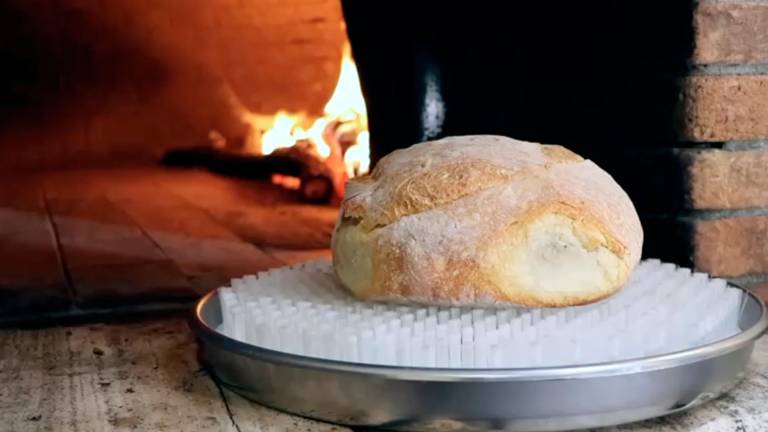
484,220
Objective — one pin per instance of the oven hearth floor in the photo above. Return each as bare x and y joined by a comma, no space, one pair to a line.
84,243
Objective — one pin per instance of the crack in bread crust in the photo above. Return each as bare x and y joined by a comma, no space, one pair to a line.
413,180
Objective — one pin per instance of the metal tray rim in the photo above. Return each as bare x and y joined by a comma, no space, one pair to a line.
636,365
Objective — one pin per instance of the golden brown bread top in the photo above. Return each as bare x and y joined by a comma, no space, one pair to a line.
435,173
434,217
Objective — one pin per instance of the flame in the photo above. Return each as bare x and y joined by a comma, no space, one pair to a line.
358,157
315,136
344,124
280,135
346,102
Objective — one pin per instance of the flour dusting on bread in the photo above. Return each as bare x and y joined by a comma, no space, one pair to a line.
484,220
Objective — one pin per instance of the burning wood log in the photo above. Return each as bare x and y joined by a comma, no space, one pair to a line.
320,180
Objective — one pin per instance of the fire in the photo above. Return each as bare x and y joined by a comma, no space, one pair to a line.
315,136
347,101
280,135
358,157
344,122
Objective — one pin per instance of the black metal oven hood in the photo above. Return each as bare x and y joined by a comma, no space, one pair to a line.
583,74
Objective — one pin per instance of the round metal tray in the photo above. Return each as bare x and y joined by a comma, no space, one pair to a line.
530,399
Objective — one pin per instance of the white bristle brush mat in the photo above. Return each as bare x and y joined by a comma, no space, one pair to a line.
303,310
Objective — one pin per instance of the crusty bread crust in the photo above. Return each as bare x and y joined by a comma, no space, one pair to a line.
480,220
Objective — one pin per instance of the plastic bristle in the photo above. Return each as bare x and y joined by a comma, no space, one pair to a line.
302,310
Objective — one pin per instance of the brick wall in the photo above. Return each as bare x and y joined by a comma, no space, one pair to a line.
724,123
96,82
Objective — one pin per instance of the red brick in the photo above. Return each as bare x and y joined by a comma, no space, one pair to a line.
725,107
731,32
722,179
731,247
694,179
